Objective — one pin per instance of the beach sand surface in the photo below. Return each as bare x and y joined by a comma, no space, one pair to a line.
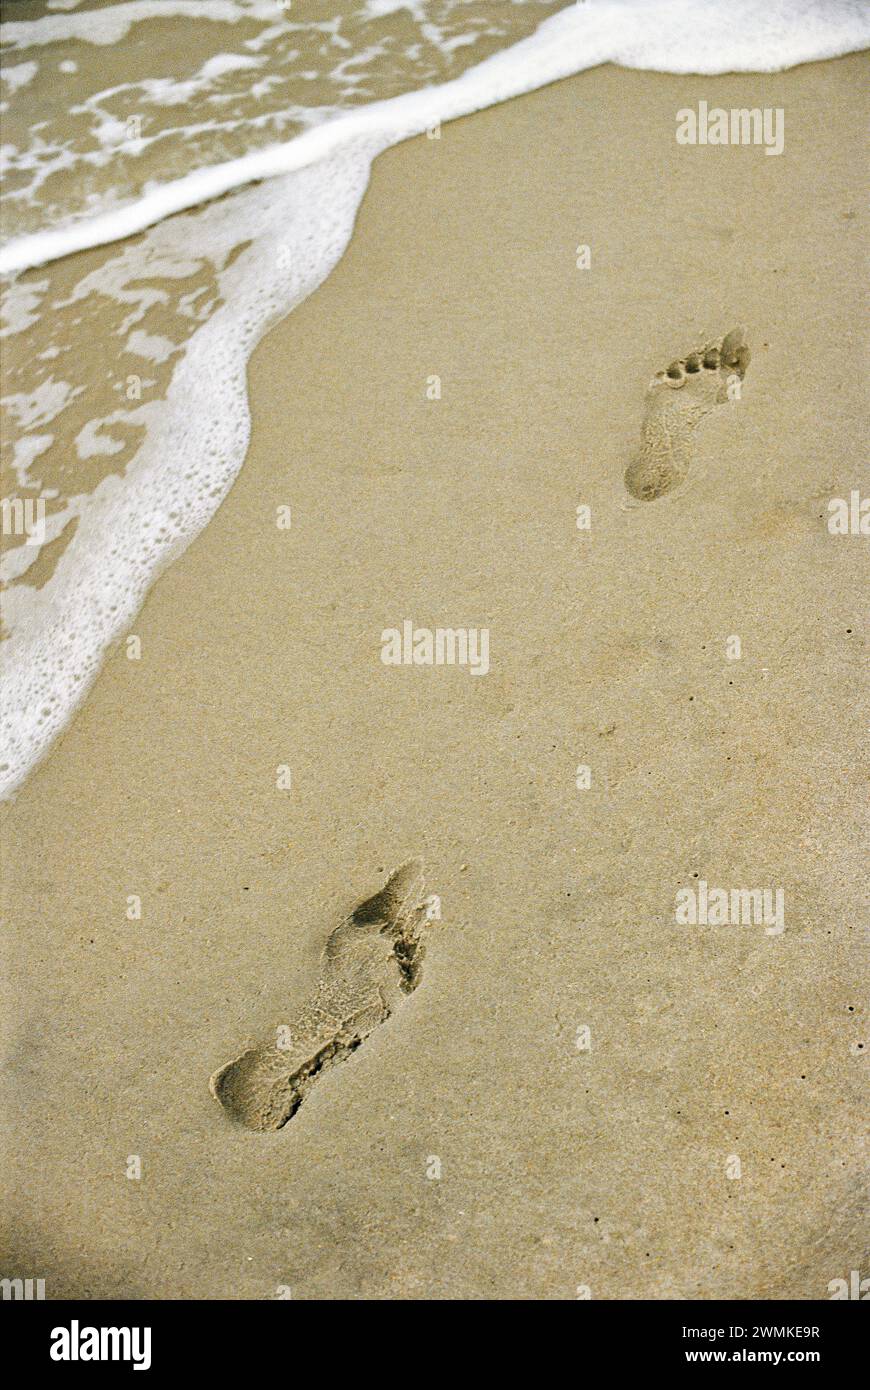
703,1140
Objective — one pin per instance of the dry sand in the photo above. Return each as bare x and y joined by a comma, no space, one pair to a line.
559,1167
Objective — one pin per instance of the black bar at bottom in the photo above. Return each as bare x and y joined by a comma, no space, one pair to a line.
64,1338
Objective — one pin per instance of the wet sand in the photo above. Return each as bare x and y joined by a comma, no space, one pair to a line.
609,1166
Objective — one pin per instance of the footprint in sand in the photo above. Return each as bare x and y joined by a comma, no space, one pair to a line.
676,401
370,963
